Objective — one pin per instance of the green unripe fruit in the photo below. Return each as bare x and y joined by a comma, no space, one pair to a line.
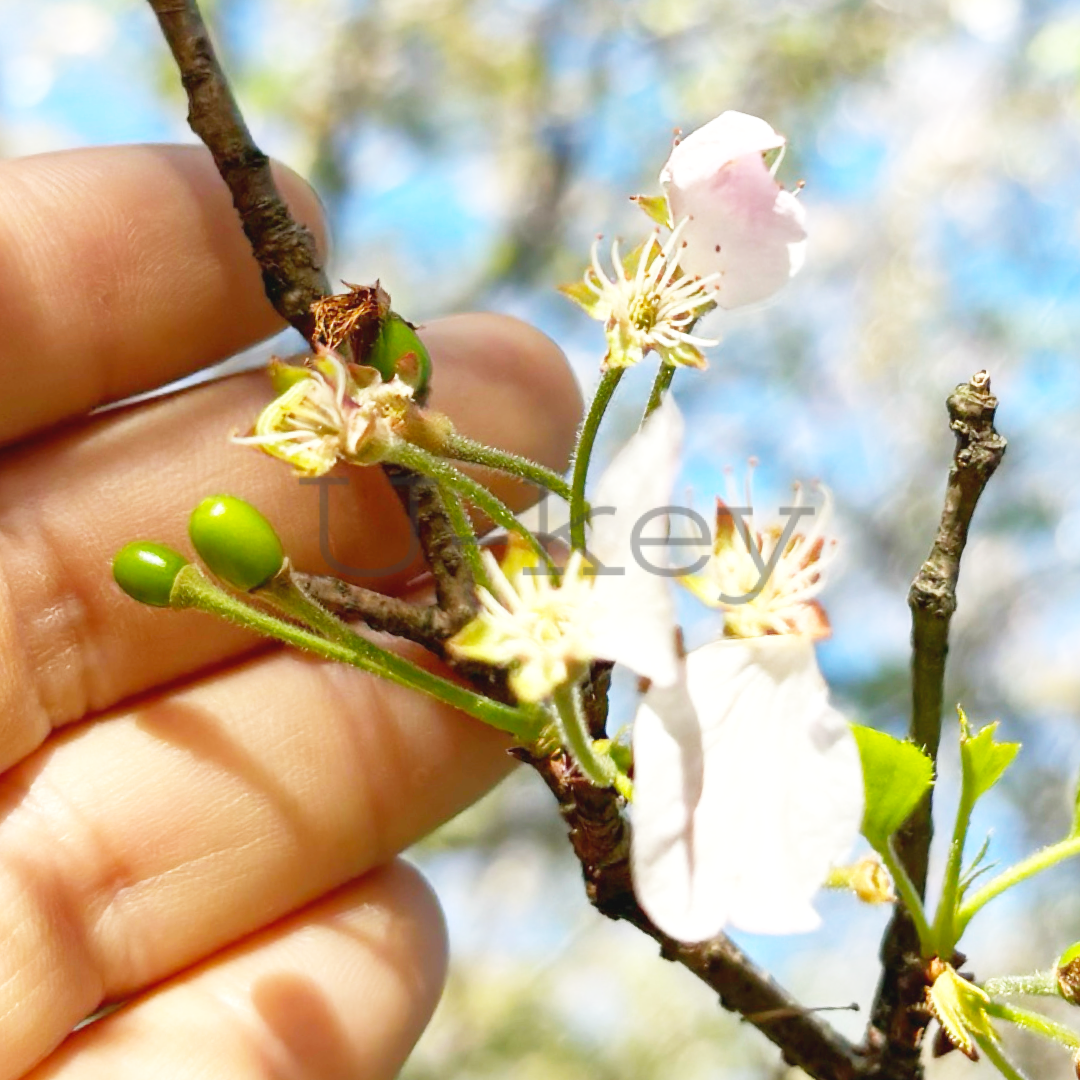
399,351
146,571
235,541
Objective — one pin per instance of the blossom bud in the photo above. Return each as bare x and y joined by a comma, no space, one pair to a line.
146,571
867,879
1067,974
236,542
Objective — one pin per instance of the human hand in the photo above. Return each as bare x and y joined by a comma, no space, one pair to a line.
189,818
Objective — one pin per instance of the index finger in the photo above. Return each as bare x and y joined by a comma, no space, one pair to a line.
122,268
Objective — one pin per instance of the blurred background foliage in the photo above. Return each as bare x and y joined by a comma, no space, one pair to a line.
468,151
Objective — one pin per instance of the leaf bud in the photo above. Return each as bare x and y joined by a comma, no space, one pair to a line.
236,542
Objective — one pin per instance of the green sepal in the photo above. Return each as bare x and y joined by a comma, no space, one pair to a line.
146,571
773,157
983,760
236,542
960,1008
478,640
896,775
686,355
285,376
398,350
582,295
657,208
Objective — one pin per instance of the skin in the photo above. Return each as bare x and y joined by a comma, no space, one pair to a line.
189,818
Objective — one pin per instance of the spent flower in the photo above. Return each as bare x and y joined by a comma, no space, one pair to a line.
331,411
766,578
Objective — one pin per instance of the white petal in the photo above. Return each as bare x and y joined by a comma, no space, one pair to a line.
742,225
781,792
704,151
668,774
636,615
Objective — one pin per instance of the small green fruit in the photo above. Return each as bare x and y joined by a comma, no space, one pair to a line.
399,351
146,571
235,541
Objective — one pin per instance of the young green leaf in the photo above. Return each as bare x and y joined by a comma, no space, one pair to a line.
983,759
896,775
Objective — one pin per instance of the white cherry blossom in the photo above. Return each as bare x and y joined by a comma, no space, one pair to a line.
649,304
748,785
328,412
612,605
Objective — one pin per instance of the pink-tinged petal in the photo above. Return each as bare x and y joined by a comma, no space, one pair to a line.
731,135
743,225
635,622
739,222
780,796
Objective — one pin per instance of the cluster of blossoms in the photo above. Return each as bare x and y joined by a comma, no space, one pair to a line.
747,784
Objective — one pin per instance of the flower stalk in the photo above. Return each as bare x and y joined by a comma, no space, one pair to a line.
448,476
462,449
192,590
574,734
586,440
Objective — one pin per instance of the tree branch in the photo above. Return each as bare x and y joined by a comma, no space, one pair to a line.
292,270
895,1030
425,624
455,590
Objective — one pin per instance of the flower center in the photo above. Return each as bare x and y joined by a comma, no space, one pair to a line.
644,310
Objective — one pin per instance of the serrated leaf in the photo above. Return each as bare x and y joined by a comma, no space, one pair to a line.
983,760
896,775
